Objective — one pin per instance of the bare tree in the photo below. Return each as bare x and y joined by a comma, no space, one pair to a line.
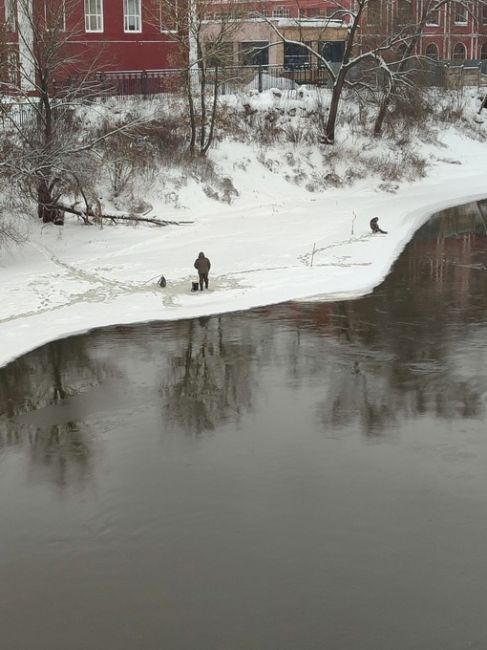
411,33
45,148
203,38
46,155
359,52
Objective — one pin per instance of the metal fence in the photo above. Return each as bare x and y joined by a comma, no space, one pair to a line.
233,79
229,78
17,114
245,79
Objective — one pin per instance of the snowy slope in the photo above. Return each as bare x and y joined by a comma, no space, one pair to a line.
71,279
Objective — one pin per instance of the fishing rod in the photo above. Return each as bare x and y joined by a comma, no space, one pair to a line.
150,280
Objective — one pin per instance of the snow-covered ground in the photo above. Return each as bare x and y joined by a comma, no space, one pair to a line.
68,280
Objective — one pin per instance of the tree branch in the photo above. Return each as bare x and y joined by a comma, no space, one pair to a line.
114,217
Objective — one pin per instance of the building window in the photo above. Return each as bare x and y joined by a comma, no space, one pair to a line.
373,12
332,51
254,53
401,51
432,51
10,6
312,12
484,14
433,18
295,56
94,15
281,12
459,52
132,20
404,12
9,67
169,16
483,52
55,15
219,55
322,12
13,68
460,14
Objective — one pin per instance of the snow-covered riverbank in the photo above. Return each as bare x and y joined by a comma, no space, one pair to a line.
71,279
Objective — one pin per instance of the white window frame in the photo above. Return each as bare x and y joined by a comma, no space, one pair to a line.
374,13
127,17
281,12
437,51
434,18
175,30
10,14
62,27
93,16
457,7
13,68
409,17
464,52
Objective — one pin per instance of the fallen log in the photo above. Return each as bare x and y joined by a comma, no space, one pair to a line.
86,214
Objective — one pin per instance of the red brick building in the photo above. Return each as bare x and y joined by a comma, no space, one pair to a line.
121,35
454,32
127,35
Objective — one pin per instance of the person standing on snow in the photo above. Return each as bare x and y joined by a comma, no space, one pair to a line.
202,264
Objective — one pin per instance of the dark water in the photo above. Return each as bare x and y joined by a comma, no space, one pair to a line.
302,477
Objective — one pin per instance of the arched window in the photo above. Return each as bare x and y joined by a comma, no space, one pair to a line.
401,51
459,52
483,51
432,51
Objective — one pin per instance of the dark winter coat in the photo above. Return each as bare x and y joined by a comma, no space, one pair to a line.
374,225
202,263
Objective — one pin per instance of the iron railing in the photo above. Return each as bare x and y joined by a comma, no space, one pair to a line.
233,79
230,79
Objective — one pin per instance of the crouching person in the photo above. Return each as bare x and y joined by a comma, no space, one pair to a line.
374,226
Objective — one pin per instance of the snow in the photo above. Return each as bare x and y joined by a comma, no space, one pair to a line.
69,280
268,82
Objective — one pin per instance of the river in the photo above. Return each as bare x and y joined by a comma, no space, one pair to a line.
306,476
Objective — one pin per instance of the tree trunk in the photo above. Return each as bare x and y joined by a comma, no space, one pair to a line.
203,106
332,115
213,113
340,79
192,116
45,209
384,106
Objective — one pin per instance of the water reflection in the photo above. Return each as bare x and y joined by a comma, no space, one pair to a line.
414,346
40,397
210,375
235,499
399,353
